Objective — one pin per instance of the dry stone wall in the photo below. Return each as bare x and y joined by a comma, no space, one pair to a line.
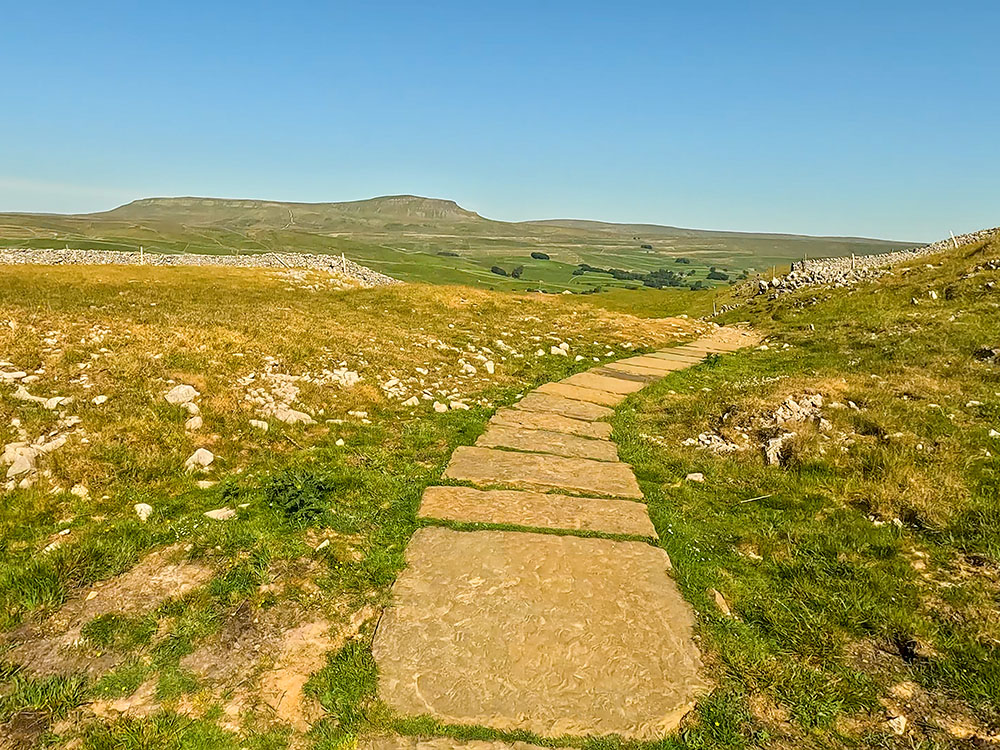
337,264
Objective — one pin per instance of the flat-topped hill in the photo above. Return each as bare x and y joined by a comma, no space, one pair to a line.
415,238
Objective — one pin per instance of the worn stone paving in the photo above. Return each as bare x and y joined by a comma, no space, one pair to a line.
547,441
556,634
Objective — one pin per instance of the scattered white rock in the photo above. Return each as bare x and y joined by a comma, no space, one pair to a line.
339,443
412,401
191,408
205,484
490,367
260,424
194,423
99,400
291,416
143,510
695,476
78,490
220,514
772,450
200,459
22,464
558,351
439,407
720,602
181,394
897,725
458,405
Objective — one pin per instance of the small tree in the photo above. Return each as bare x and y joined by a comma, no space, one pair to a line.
516,273
498,271
539,255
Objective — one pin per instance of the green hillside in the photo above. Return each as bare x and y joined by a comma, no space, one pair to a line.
426,239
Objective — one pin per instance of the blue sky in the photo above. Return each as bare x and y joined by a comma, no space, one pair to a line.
866,118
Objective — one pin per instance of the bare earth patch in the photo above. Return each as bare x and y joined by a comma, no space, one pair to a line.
55,645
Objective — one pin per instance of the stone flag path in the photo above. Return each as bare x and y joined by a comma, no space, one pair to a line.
555,634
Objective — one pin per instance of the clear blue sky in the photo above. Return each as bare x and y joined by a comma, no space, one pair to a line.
876,118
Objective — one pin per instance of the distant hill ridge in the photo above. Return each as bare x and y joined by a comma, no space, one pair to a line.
388,210
195,210
414,238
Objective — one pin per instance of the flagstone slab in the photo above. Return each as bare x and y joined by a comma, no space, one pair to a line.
402,742
552,422
650,372
691,358
488,466
536,509
544,441
607,372
685,362
604,383
556,635
566,407
604,398
658,364
705,345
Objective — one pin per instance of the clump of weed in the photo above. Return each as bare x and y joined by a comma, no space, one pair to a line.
298,494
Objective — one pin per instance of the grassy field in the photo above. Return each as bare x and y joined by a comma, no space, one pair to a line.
187,631
862,568
419,239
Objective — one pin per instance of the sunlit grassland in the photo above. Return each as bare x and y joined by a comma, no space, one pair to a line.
863,573
352,480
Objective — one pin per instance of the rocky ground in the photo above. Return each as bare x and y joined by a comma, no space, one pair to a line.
331,263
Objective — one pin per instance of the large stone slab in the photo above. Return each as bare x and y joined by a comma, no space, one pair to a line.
604,383
567,407
652,373
488,466
607,372
556,635
680,356
565,390
552,422
544,441
403,742
655,364
536,509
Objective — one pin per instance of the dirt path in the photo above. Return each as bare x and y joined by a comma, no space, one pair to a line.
580,632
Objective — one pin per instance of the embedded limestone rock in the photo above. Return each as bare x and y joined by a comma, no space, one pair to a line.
565,407
536,509
545,441
200,459
486,466
558,635
180,394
